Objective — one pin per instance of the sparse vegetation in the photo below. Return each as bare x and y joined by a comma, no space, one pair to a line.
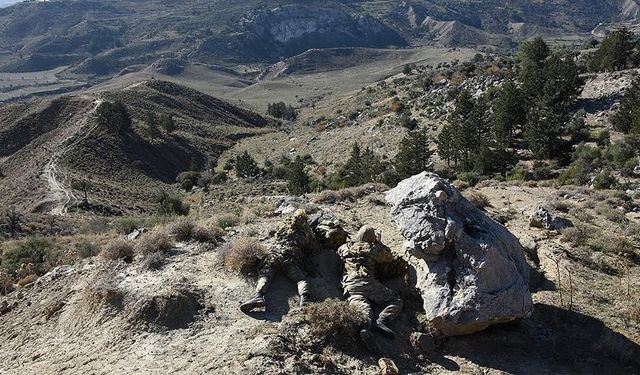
154,242
38,254
87,249
114,116
118,250
332,322
244,256
282,110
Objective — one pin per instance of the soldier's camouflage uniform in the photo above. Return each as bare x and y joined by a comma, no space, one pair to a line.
360,283
294,242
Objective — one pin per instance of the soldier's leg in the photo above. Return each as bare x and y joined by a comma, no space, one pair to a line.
295,274
265,275
383,296
264,279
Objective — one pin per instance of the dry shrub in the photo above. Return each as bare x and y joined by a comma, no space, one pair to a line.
118,249
578,235
244,256
226,220
182,229
27,280
612,214
349,194
6,283
154,262
127,225
477,198
327,196
155,242
263,209
332,320
206,235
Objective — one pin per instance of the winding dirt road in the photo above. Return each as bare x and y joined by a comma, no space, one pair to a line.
58,194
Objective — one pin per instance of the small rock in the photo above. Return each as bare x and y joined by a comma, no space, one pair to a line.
542,218
388,367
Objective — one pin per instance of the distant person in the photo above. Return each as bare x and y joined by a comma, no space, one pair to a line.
361,285
295,241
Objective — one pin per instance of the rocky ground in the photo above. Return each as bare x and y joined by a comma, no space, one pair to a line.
105,317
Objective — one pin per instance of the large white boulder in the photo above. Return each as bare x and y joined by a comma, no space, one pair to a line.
470,270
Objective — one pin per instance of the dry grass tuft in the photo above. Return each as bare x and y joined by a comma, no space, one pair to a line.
29,279
477,198
244,256
207,235
227,220
154,242
6,283
332,320
154,262
349,194
181,229
118,249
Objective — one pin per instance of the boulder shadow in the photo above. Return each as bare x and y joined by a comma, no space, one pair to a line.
552,340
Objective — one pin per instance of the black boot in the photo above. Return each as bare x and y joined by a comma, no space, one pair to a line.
305,299
369,341
254,303
383,327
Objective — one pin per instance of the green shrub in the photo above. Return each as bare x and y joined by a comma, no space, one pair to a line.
605,180
127,225
227,220
188,180
170,204
87,249
42,254
114,116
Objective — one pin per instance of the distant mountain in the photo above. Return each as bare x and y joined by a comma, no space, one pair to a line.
103,37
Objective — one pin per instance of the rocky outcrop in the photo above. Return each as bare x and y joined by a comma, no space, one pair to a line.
542,218
470,270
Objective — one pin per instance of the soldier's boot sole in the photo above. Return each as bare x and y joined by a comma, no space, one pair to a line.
255,303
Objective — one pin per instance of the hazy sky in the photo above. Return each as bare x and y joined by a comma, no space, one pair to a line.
4,3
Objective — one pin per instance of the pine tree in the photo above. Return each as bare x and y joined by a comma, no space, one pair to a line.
543,129
531,65
114,116
151,126
351,171
246,166
615,52
414,155
446,144
84,186
509,114
298,179
627,119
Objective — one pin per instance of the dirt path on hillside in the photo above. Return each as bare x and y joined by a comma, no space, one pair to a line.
59,195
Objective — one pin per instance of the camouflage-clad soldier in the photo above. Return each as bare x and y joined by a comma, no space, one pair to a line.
361,286
294,242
